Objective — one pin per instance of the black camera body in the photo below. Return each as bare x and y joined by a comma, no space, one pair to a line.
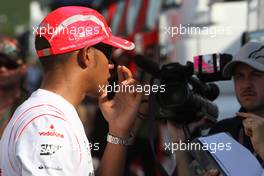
187,96
184,99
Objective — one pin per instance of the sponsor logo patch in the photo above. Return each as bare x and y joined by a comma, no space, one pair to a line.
257,54
51,133
49,149
44,166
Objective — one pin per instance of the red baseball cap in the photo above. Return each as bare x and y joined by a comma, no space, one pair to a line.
74,27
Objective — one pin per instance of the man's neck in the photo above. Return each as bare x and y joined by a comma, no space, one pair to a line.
257,112
69,91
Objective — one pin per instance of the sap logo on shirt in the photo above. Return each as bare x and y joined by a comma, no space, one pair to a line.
51,133
49,149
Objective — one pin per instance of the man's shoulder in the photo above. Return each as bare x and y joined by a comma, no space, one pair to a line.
230,125
228,121
37,104
43,100
34,115
32,109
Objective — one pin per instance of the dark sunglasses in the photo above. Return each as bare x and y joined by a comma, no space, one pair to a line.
7,62
106,49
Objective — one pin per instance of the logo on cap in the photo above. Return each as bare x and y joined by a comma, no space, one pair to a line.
73,27
257,54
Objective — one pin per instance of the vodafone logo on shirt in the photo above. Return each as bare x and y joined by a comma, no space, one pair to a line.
51,133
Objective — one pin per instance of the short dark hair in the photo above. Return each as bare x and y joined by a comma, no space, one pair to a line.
53,61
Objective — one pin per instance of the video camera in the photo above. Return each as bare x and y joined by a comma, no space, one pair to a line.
187,96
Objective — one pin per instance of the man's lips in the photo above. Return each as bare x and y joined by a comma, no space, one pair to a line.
248,94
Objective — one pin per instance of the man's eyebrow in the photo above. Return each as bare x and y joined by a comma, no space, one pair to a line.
237,73
251,72
257,71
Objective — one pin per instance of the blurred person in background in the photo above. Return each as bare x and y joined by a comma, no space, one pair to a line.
12,71
34,75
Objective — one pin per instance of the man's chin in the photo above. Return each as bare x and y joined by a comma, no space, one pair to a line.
252,108
95,94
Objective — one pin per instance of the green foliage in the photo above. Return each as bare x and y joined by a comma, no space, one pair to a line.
17,13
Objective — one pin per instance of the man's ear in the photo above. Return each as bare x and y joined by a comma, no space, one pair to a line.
86,57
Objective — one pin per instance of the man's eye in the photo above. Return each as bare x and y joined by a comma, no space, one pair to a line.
236,77
257,74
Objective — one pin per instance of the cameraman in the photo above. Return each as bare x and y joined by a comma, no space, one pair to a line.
247,127
247,70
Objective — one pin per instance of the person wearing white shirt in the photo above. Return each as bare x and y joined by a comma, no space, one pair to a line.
45,135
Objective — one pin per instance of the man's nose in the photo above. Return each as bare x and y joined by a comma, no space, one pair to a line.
247,82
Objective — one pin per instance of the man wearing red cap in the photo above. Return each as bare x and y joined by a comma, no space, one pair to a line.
45,135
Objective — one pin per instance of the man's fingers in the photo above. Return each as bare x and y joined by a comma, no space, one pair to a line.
212,172
120,74
129,81
246,115
247,123
131,87
111,66
250,122
127,72
103,98
242,115
248,132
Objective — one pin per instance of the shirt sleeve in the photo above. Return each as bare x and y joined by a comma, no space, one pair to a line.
46,145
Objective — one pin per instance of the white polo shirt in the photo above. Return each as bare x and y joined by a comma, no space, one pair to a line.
45,137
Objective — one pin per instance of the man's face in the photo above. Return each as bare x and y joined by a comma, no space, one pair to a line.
8,63
101,71
249,87
11,71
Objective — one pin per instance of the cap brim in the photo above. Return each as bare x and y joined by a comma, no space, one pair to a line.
119,43
229,68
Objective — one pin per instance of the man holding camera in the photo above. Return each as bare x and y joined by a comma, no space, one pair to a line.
247,70
45,135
